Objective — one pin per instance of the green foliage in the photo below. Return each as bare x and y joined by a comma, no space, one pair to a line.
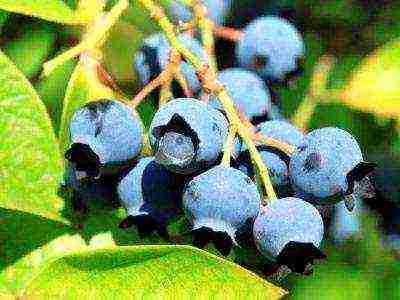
148,271
30,50
52,90
51,10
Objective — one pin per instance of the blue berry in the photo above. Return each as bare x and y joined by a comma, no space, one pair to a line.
248,92
147,61
289,231
187,135
149,193
275,162
106,135
86,190
283,131
155,54
326,164
218,203
346,225
272,47
216,9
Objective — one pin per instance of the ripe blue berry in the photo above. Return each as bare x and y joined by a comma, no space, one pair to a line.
272,47
248,92
281,130
106,135
86,190
289,231
326,164
277,164
346,225
150,195
218,203
216,9
187,135
154,56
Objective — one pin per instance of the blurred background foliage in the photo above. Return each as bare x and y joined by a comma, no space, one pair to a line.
364,266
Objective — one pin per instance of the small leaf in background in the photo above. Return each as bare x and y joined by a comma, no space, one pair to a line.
119,50
83,86
3,18
50,10
148,271
336,281
30,50
375,85
51,90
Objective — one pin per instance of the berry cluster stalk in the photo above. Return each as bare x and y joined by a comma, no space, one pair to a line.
96,33
210,83
317,91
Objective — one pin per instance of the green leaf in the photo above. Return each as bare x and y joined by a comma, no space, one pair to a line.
84,86
30,50
148,271
50,10
30,172
119,50
30,162
52,88
375,85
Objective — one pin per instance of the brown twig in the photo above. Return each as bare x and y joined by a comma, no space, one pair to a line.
227,33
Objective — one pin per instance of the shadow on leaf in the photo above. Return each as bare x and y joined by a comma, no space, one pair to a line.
22,232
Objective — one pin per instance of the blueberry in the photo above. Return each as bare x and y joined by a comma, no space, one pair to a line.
248,92
289,231
86,190
187,135
218,203
150,194
106,135
346,225
277,164
283,131
272,47
154,56
216,9
147,61
326,165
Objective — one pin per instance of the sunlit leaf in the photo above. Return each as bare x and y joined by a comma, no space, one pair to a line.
51,10
161,272
375,85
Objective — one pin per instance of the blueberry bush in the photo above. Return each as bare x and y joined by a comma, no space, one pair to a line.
199,149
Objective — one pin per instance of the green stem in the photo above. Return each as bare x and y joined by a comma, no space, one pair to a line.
228,147
92,40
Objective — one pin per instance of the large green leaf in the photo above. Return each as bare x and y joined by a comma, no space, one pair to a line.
51,10
161,272
30,172
30,162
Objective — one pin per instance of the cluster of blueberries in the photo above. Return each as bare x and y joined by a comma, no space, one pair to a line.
187,137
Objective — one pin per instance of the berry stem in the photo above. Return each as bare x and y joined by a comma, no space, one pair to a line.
93,39
160,80
165,92
268,141
227,33
210,83
206,28
316,92
228,147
